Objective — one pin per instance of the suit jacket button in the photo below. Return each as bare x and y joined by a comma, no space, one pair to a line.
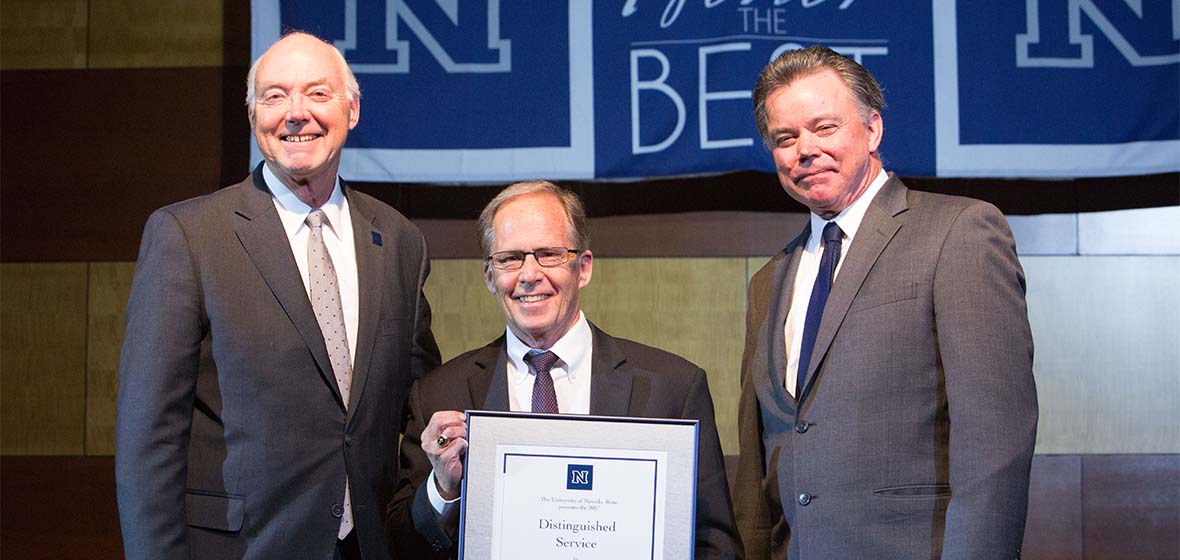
436,545
347,440
804,499
337,510
802,427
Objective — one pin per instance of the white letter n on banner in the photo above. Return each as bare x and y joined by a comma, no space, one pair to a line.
657,85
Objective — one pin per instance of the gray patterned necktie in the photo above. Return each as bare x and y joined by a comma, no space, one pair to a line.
325,301
329,313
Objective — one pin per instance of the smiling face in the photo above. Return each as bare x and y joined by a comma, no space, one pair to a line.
302,113
825,153
539,303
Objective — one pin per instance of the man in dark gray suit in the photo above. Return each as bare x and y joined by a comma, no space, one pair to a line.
888,407
273,331
538,258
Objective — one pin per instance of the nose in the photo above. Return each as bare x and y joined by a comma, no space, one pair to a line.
807,146
296,111
530,269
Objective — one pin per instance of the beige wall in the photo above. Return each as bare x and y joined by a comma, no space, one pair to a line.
1107,333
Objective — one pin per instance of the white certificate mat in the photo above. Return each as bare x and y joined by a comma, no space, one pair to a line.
578,487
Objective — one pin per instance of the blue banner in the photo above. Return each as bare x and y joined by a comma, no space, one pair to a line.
503,90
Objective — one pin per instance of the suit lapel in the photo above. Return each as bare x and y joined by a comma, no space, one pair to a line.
875,232
262,236
610,382
489,384
783,287
370,261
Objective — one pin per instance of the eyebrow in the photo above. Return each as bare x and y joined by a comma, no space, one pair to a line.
309,85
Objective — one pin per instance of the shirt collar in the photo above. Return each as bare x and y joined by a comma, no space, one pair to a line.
850,218
293,212
571,349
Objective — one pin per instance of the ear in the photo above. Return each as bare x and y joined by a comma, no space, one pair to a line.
585,268
489,276
354,113
876,130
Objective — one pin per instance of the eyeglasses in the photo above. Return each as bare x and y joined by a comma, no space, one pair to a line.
546,256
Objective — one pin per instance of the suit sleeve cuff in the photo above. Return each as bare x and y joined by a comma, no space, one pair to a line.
442,507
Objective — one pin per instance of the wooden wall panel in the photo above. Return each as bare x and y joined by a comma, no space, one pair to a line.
1107,379
1054,525
110,284
145,161
466,315
54,508
42,364
1107,337
154,34
691,307
1131,506
43,34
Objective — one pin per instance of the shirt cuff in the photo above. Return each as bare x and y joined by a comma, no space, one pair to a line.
441,505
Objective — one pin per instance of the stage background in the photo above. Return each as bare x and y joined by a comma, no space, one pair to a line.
111,108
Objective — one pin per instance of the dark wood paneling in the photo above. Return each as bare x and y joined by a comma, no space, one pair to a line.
1054,528
750,191
1131,506
59,507
64,507
690,234
88,154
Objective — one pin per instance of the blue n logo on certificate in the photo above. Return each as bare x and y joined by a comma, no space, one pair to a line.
580,477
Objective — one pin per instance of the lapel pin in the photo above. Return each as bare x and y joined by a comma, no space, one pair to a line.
376,238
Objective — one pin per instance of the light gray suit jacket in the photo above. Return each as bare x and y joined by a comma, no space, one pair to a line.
232,440
914,435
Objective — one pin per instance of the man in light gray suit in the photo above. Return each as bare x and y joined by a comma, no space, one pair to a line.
888,408
273,331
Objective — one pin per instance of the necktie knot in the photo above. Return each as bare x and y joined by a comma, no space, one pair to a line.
541,361
544,393
832,233
316,218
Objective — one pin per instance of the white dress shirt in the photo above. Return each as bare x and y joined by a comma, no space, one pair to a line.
341,248
571,373
337,236
571,381
849,221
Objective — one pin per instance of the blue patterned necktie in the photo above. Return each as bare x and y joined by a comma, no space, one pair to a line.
544,395
819,298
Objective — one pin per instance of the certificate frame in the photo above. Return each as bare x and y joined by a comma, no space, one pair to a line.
661,453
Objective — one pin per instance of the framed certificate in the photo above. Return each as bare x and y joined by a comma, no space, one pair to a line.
560,486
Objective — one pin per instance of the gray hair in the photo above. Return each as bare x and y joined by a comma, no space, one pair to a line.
352,90
575,213
796,64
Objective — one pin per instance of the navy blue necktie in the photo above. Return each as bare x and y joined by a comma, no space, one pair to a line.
819,298
544,395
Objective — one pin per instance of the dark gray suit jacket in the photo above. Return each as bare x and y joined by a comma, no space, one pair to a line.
232,439
627,379
915,432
